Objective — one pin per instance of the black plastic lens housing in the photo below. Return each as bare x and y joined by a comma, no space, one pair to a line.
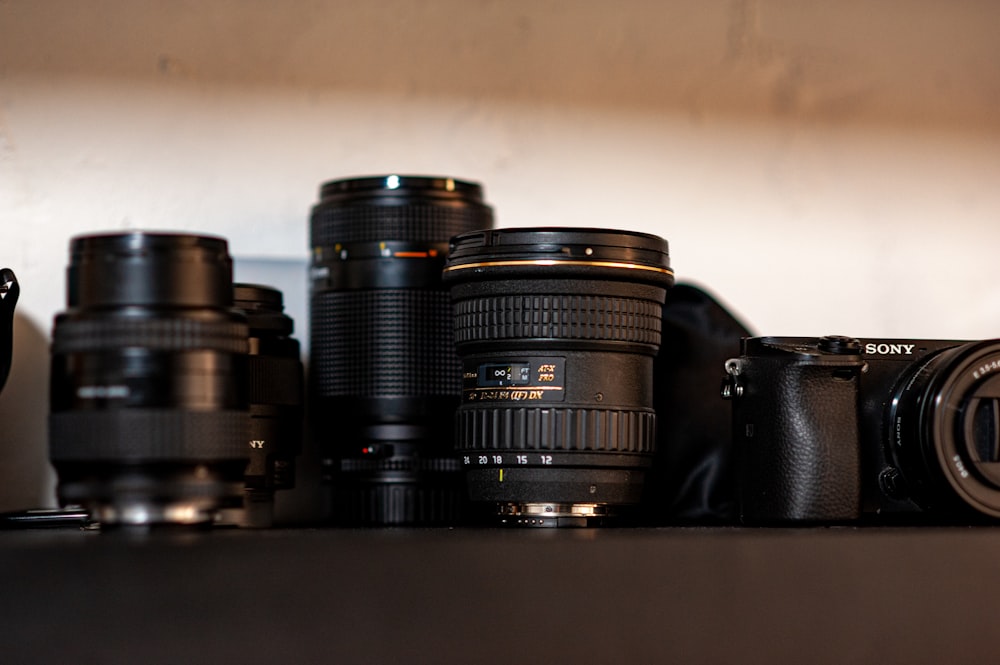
275,383
944,428
148,400
557,329
384,376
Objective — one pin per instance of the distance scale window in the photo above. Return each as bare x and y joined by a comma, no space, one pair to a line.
531,380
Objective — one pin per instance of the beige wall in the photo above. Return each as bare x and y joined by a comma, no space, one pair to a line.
826,167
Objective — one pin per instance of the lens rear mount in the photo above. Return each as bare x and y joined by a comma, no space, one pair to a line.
151,494
554,514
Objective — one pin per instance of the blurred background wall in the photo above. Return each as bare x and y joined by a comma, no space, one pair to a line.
823,167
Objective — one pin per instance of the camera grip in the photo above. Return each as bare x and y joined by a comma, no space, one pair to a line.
797,435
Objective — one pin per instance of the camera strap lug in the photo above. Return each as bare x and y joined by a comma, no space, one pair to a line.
732,386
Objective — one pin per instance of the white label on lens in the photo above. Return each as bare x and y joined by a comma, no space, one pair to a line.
986,368
102,392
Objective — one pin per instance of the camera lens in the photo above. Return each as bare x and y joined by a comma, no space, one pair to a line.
148,397
384,376
557,330
945,428
275,394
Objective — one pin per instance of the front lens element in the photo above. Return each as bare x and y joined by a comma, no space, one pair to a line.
557,330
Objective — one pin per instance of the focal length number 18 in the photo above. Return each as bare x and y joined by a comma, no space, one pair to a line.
498,459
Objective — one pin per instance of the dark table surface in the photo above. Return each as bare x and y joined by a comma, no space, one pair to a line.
690,595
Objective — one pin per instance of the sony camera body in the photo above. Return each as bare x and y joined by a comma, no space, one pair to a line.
835,429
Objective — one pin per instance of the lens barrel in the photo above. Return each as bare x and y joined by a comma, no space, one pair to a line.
384,376
557,329
148,403
944,425
275,383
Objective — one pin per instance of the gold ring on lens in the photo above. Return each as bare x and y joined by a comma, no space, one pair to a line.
559,262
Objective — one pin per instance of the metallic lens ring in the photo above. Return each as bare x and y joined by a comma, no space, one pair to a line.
560,262
555,509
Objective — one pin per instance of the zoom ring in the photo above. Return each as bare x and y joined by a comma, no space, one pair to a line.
415,223
558,317
148,435
386,343
567,429
177,334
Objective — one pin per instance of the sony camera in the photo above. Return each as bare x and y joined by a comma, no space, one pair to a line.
835,429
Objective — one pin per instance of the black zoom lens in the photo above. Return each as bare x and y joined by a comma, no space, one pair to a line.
149,419
945,428
275,394
557,330
384,376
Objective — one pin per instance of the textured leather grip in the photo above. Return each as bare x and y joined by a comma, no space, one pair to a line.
797,436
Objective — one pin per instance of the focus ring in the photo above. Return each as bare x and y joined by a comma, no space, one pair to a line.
384,343
175,334
417,223
274,380
558,317
411,464
565,429
146,435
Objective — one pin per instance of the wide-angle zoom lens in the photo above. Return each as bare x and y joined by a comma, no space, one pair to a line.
384,375
557,329
148,421
944,429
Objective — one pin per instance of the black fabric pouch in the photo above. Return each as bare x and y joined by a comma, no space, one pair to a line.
692,479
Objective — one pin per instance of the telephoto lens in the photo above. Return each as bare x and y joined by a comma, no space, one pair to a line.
384,375
275,394
149,415
557,329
